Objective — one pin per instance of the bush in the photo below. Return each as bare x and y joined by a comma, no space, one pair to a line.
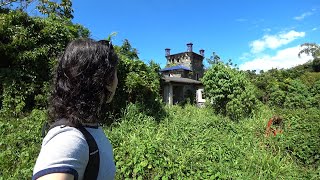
20,142
297,95
310,78
25,73
229,91
138,83
289,93
301,137
192,143
315,92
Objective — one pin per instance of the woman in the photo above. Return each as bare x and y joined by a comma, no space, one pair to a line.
85,81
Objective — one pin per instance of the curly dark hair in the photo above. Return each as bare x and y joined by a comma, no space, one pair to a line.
83,73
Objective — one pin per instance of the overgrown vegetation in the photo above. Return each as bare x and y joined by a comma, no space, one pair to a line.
229,91
138,82
28,50
288,88
225,140
25,75
204,145
207,146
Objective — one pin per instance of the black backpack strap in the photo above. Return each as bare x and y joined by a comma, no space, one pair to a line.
93,165
92,169
63,123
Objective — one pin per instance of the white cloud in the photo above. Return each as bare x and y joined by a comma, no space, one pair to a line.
274,41
314,29
285,58
302,16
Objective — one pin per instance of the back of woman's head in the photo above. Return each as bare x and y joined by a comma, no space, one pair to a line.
83,73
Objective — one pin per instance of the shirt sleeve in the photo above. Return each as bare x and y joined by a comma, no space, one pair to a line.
64,150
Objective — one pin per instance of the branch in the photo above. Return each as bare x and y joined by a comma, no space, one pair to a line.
7,2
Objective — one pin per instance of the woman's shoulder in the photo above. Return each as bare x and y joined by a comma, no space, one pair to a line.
66,133
63,148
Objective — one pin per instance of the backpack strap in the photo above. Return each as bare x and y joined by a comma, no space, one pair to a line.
93,165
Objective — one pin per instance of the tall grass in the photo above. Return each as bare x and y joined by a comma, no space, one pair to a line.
188,143
20,142
192,143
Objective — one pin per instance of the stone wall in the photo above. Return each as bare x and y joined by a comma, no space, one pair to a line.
197,67
188,59
177,73
183,59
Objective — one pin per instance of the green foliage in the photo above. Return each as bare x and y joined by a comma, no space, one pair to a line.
126,50
189,143
314,50
315,92
309,78
297,95
62,9
28,48
286,88
316,64
289,93
138,82
301,136
310,49
20,142
26,73
229,91
214,59
192,143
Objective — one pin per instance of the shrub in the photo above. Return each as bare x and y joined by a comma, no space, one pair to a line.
289,93
138,83
229,91
298,95
20,142
25,73
301,137
192,143
310,78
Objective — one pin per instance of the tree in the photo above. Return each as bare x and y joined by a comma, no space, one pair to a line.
214,59
127,50
229,91
138,82
21,4
314,50
310,49
62,9
29,47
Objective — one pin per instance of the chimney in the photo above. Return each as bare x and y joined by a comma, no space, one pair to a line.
201,51
189,45
167,51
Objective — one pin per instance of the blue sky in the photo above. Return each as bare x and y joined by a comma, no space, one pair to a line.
255,34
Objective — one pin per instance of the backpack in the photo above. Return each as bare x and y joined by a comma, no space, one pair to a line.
92,169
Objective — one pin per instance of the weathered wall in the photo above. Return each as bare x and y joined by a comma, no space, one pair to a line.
177,73
190,60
